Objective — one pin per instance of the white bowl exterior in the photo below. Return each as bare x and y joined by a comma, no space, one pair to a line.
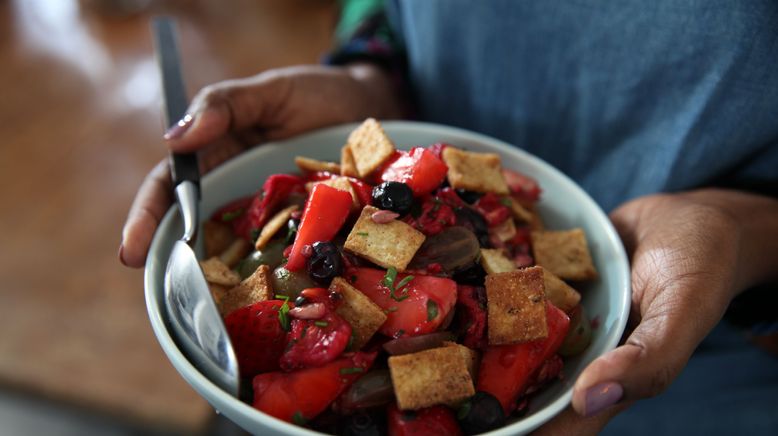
563,205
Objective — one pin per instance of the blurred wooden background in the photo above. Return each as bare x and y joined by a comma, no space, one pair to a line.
80,125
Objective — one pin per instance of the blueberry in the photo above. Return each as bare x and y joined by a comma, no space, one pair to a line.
469,197
394,196
325,262
481,413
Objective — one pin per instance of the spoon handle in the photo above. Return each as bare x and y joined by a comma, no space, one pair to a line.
183,166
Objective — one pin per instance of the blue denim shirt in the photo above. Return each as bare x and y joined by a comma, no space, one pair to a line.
627,97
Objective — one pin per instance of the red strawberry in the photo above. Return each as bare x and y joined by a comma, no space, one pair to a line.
315,342
301,395
257,337
431,421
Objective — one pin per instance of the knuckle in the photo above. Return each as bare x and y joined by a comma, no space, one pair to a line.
659,381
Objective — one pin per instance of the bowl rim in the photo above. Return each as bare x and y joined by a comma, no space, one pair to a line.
221,400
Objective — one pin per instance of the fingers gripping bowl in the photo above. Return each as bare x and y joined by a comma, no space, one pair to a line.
563,205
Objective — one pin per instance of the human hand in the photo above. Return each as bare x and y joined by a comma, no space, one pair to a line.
691,254
226,118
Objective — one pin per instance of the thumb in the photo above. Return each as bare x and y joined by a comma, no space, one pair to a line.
222,108
644,366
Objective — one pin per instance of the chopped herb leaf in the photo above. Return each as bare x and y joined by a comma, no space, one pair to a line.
432,310
283,313
352,370
233,214
399,333
298,418
350,345
321,323
291,233
391,309
362,233
389,278
391,275
353,279
505,201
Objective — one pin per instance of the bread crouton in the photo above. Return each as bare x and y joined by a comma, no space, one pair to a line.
275,224
436,376
519,212
516,306
358,310
479,172
495,262
237,250
348,167
471,357
217,237
308,165
564,253
340,183
217,292
389,245
256,287
559,293
215,271
504,231
370,147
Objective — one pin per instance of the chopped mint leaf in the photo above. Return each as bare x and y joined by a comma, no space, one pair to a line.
233,214
298,418
432,310
352,370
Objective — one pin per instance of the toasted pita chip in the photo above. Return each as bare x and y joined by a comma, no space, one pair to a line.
256,287
275,224
348,167
215,271
479,172
364,316
516,306
392,244
308,165
370,147
495,262
564,253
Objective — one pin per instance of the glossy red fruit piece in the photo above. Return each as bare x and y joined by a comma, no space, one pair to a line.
257,337
423,304
471,316
315,342
434,217
301,395
492,209
507,370
523,188
418,168
431,421
325,212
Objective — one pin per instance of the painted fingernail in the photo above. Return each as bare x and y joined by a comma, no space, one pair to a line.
602,396
121,254
177,130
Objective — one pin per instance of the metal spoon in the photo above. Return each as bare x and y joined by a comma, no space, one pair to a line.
192,313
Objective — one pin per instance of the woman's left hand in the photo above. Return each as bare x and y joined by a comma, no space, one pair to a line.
691,253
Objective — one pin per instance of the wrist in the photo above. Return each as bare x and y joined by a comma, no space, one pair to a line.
754,220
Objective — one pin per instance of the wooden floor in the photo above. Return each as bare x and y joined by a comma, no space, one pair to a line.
80,125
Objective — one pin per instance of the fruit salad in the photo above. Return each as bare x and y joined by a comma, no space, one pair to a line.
401,292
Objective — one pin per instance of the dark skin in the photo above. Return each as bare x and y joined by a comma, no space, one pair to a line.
691,252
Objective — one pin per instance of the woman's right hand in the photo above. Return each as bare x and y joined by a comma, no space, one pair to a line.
226,118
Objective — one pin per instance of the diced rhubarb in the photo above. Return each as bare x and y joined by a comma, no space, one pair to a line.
471,316
492,209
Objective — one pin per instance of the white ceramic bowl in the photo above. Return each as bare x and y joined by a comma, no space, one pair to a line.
563,205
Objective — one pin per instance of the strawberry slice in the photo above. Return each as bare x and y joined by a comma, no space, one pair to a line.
315,342
414,307
418,168
257,337
431,421
471,316
301,395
